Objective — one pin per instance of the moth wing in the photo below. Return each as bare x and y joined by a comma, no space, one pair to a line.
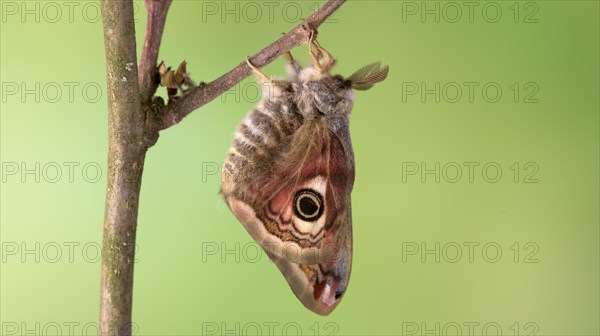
321,287
320,163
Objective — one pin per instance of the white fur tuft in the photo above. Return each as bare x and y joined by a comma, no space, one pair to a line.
310,74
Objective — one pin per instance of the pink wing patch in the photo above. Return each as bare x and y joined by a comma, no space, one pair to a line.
301,214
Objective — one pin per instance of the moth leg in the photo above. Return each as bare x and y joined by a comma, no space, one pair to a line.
293,67
270,88
259,74
314,56
328,60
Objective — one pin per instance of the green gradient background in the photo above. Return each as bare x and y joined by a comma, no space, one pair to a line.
176,292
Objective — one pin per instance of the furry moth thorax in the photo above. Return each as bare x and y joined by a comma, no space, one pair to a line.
289,173
316,91
319,93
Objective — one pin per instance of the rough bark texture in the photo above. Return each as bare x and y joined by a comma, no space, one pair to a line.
126,151
134,120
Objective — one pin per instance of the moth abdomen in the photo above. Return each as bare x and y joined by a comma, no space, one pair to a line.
285,113
262,127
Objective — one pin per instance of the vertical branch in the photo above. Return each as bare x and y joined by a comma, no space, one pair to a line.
157,14
126,152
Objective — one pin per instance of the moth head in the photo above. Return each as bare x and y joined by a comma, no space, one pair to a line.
333,94
367,76
329,95
336,95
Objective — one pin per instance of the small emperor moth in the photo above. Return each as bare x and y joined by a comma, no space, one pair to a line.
289,174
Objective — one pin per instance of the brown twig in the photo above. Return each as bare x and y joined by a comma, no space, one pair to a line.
201,95
157,15
126,152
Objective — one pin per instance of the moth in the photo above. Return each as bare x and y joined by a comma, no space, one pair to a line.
290,170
